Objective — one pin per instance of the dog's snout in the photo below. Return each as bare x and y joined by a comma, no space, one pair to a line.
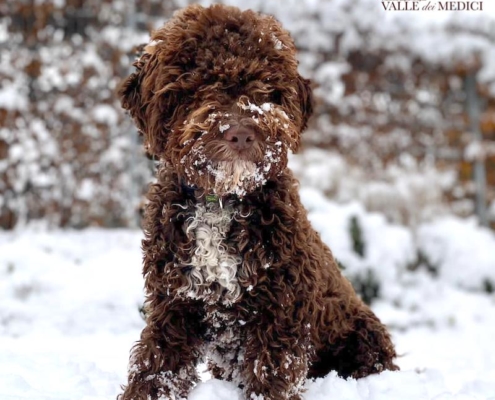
240,137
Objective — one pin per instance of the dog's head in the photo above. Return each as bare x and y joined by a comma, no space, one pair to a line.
217,95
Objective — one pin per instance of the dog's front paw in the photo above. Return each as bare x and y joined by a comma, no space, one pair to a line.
164,385
376,368
173,386
255,396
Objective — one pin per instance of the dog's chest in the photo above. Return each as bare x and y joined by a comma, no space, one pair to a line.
213,260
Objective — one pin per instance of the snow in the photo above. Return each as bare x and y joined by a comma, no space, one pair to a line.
105,114
406,194
69,310
330,86
449,244
222,128
265,107
12,98
474,151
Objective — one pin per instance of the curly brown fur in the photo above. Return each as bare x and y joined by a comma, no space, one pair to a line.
239,279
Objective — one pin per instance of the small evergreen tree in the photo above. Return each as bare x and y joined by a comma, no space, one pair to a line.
356,233
365,282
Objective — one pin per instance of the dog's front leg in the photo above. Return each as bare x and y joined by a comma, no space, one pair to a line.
163,362
276,357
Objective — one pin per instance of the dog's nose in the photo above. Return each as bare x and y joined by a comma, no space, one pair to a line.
240,137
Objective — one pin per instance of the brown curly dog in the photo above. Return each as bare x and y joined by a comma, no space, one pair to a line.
234,273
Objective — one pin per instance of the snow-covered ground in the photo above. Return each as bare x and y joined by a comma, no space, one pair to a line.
69,311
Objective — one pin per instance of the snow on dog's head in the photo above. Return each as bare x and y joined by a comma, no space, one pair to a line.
217,95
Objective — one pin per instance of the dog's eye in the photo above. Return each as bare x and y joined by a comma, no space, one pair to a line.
276,97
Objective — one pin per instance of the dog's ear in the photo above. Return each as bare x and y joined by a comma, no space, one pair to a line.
130,94
306,100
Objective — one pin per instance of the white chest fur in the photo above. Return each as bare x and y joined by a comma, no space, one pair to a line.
214,264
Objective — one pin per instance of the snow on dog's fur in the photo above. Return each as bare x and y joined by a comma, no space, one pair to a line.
234,273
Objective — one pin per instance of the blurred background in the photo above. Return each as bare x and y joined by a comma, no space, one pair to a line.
397,169
405,115
404,123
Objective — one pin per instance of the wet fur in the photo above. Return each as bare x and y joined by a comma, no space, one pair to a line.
285,313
